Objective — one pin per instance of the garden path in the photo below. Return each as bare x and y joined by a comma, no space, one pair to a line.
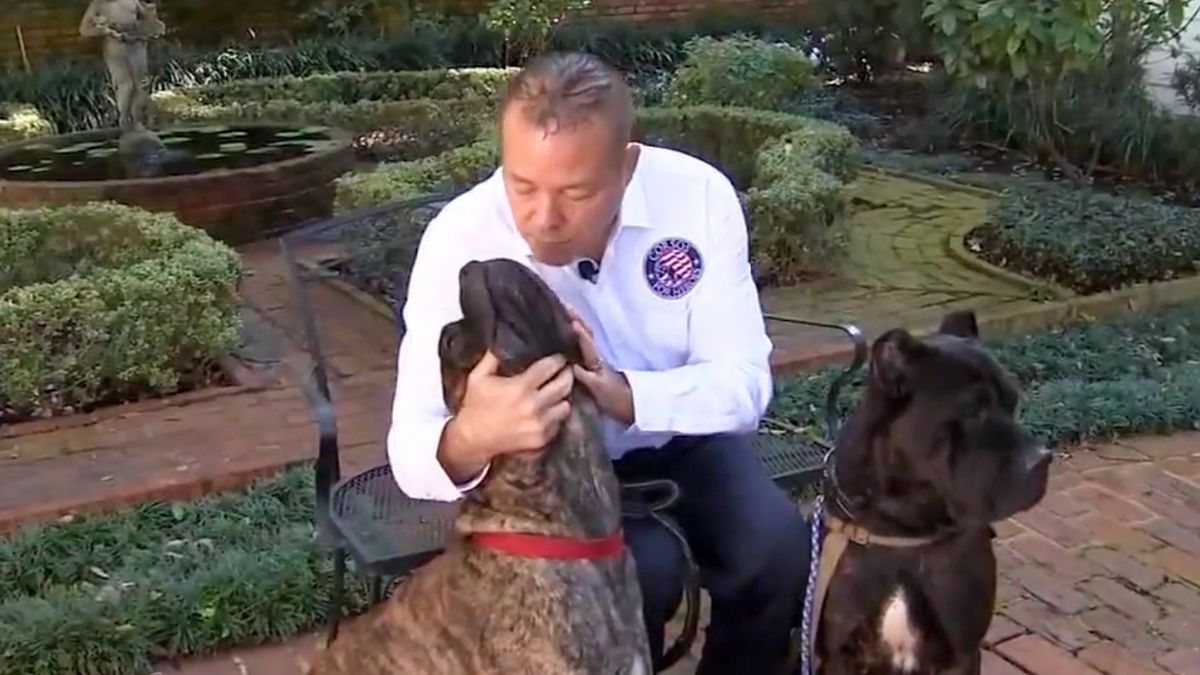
904,266
1102,578
899,272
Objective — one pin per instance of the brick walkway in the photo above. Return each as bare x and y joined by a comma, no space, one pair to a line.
899,269
1102,578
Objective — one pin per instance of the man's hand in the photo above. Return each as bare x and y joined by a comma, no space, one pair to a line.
505,414
609,387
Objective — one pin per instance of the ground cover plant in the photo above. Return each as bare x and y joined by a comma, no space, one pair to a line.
103,303
110,594
1089,241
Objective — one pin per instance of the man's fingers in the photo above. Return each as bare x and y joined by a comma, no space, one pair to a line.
543,369
555,390
587,349
555,415
486,366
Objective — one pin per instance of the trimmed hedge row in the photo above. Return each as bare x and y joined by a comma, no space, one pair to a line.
103,302
395,115
1089,241
791,172
101,594
354,87
385,130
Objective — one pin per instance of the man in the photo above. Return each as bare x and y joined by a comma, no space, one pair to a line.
649,248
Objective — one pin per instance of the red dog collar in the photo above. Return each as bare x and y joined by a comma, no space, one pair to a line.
558,548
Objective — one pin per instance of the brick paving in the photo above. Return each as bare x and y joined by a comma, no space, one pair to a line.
1103,578
898,270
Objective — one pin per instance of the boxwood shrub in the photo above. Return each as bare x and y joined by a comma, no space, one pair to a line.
1089,241
103,302
19,121
740,70
790,171
395,115
353,87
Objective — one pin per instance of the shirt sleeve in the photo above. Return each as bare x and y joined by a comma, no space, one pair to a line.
725,386
418,412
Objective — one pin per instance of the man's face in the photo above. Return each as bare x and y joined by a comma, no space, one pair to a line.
564,187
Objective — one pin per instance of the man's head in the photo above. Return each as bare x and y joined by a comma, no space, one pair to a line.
565,130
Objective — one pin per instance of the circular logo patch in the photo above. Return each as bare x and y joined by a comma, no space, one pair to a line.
673,267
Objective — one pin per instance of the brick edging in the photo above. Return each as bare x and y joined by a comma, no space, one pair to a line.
244,380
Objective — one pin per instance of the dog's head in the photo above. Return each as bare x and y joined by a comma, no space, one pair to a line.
938,442
506,309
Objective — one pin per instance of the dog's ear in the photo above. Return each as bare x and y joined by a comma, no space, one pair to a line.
893,357
961,324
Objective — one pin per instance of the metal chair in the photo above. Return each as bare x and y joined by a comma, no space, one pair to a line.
388,534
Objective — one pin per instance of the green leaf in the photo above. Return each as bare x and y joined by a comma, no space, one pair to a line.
1014,44
1020,69
949,23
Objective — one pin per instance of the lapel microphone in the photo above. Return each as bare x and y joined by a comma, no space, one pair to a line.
588,269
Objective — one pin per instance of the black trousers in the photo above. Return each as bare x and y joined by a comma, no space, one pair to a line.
749,539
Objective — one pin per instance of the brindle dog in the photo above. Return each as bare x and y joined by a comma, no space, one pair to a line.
932,456
475,610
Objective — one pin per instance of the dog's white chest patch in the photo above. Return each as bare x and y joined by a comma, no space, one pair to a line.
639,667
897,633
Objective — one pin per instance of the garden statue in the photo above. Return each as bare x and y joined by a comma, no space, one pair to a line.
125,26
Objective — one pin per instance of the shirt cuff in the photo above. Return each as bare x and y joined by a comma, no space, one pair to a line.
412,453
651,409
474,482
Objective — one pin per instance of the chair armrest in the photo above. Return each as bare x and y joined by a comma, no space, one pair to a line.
856,337
328,467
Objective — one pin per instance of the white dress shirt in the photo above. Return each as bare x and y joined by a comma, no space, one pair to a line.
674,307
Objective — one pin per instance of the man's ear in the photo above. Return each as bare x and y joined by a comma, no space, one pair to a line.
961,323
630,160
893,357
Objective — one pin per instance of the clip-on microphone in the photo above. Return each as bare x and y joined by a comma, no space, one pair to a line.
588,269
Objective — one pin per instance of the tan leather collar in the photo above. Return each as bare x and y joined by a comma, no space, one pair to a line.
838,535
864,537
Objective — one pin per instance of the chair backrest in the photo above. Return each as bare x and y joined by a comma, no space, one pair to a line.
371,248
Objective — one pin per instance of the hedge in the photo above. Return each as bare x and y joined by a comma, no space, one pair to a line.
75,93
100,594
19,121
395,115
740,70
354,87
791,173
1089,241
102,302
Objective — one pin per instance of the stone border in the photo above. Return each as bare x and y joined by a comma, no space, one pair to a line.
235,205
956,248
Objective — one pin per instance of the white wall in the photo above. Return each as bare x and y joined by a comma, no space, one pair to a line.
1160,65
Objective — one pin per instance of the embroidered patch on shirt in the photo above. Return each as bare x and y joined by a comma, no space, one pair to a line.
673,267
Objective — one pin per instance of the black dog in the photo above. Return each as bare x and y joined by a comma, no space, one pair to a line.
932,456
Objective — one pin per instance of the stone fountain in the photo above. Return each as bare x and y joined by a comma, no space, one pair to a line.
239,182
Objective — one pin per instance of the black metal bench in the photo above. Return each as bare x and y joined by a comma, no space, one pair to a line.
366,515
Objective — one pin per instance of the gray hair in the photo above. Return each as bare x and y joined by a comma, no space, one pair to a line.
561,90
